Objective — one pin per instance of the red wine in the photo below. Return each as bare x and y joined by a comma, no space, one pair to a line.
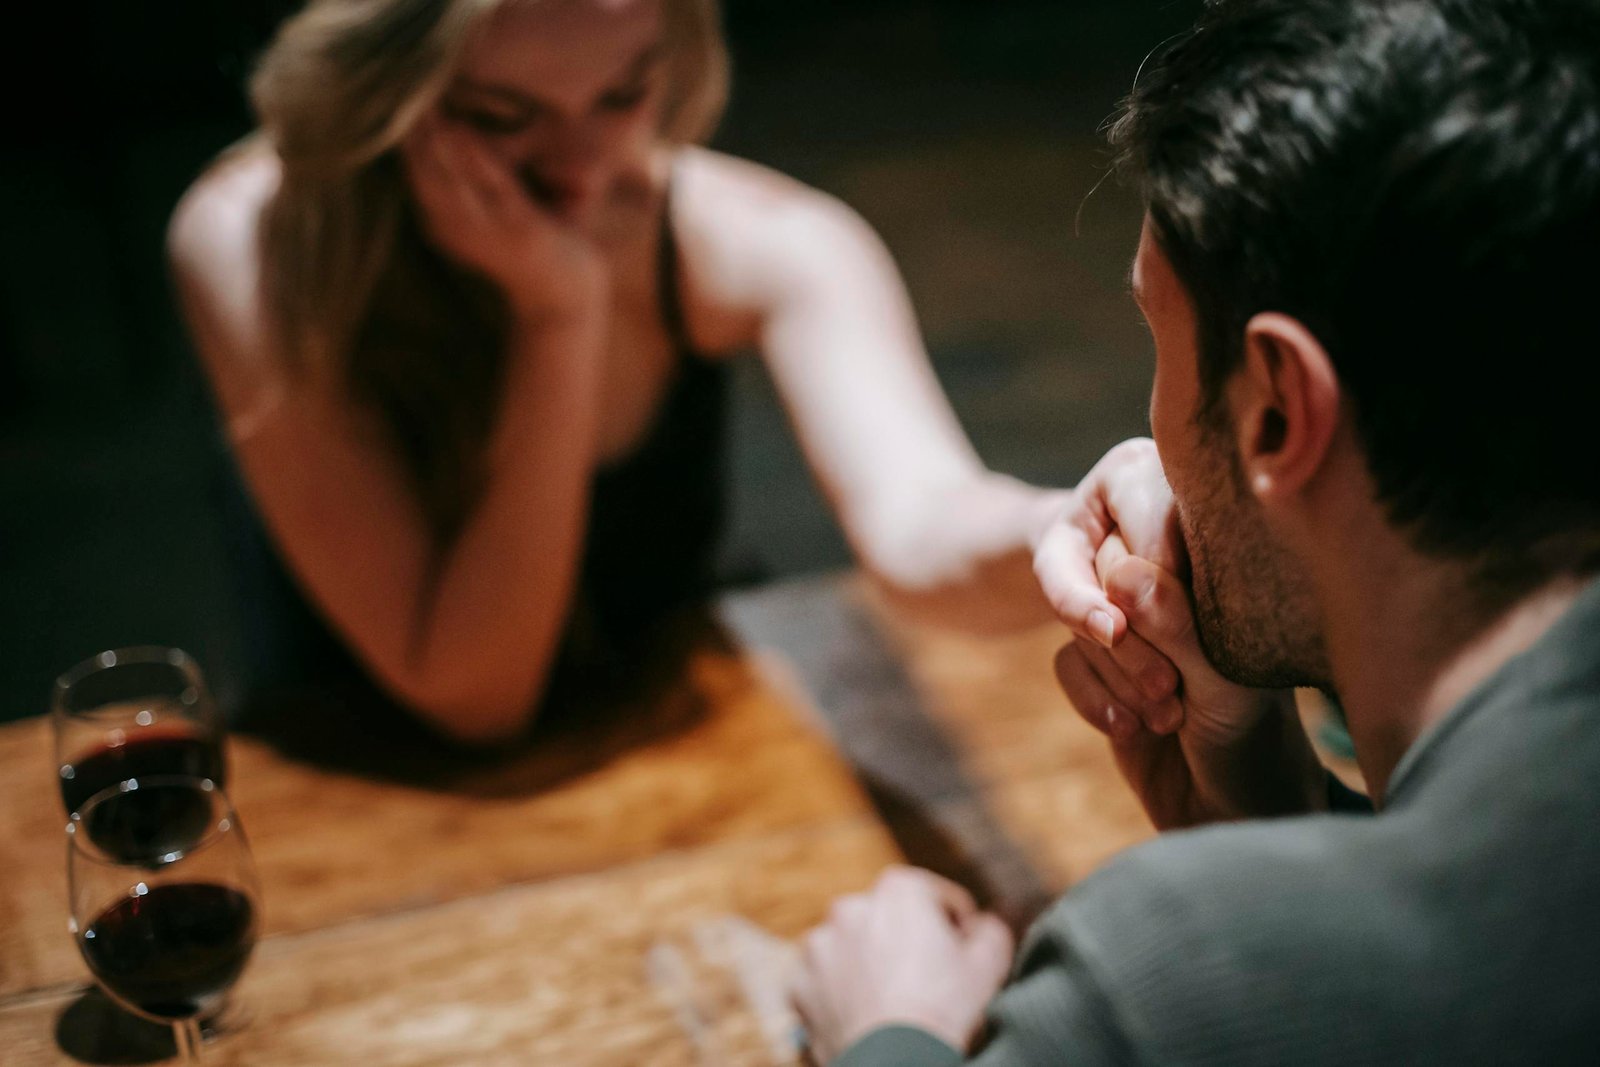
154,750
134,826
172,952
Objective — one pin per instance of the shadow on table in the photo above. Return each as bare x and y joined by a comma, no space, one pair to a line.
587,720
963,842
909,767
912,772
93,1029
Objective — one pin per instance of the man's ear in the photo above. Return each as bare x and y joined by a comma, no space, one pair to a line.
1286,404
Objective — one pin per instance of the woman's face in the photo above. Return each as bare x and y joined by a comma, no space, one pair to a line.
568,93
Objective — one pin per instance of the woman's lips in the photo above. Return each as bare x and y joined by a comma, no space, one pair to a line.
564,198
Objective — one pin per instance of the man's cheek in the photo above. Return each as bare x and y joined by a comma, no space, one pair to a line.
1167,448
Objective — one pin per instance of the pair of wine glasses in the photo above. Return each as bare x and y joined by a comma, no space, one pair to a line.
162,888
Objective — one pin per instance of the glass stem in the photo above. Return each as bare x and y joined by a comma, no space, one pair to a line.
186,1034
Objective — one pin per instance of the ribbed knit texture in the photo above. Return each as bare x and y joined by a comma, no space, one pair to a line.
1458,926
899,1046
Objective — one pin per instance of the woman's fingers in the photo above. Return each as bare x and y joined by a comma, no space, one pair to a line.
1139,502
507,212
474,211
486,172
1125,498
434,155
1063,562
421,167
446,210
450,148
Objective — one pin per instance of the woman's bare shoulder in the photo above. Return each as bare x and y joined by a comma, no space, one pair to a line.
215,220
752,231
724,194
752,186
213,250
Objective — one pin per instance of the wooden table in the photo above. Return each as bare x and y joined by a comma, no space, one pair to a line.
622,893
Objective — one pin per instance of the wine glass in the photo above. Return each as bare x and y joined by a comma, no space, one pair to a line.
130,713
165,920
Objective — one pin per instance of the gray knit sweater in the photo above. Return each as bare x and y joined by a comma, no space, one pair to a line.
1461,925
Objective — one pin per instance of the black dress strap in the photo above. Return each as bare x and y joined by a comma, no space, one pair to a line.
669,284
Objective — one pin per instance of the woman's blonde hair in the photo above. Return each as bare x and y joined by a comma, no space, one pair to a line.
353,293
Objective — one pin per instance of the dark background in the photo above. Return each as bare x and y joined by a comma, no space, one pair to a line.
966,131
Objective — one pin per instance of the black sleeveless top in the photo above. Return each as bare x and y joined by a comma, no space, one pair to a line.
655,515
654,520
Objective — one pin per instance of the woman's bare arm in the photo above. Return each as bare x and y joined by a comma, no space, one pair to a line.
838,333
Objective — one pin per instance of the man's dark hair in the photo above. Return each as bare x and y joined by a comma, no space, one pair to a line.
1418,181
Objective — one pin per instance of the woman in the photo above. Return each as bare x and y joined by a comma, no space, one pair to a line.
464,303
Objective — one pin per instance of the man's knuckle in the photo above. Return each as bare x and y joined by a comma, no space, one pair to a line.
1071,669
1153,676
1171,603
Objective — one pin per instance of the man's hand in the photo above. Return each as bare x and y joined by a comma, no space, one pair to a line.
1194,746
915,950
1219,750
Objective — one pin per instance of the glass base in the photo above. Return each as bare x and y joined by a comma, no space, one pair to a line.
231,1016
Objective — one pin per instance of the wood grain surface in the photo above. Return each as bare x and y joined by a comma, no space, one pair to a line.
332,846
622,892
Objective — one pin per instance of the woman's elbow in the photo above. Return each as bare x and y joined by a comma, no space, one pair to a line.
965,563
904,546
913,572
471,714
481,729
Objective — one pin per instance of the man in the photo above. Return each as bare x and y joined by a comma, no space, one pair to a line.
1364,267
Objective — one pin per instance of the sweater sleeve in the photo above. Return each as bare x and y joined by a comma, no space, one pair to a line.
899,1046
1054,1012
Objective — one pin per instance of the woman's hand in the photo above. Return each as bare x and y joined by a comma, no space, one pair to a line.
1126,493
1124,497
476,213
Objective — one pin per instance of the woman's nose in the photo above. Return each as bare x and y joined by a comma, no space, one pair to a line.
572,147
